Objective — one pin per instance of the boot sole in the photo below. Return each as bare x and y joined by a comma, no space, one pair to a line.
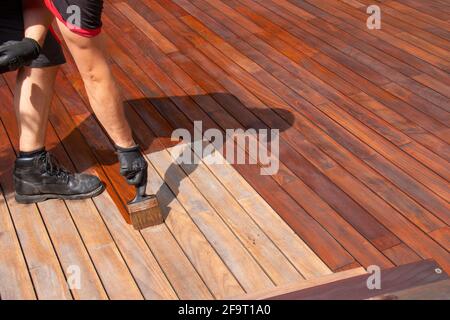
28,199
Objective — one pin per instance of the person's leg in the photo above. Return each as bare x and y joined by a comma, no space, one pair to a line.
101,88
32,98
85,43
37,175
34,83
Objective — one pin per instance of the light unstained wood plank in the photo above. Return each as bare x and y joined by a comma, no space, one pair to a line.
48,277
146,271
241,263
67,242
71,252
203,257
65,236
46,273
110,265
179,270
256,241
15,281
143,266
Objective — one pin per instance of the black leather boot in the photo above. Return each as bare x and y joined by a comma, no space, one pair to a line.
38,178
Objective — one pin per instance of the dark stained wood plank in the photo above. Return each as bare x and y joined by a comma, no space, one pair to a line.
401,254
442,236
434,291
359,116
344,21
302,285
395,279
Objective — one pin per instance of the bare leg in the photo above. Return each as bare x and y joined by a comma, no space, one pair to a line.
32,98
101,88
36,19
34,87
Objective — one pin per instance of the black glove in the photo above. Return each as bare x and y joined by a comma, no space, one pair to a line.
132,165
16,54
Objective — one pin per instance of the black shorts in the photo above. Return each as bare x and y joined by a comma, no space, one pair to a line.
83,17
12,28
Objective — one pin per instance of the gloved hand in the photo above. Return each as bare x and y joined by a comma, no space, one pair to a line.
132,165
16,54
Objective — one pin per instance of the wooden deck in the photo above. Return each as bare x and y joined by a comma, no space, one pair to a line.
364,176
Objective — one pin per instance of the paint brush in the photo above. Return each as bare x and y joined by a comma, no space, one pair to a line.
144,209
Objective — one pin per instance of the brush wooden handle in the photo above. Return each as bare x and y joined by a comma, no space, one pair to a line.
140,191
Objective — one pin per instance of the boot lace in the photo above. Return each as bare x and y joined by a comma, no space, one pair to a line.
54,168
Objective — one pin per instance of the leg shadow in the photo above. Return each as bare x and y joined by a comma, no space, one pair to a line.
153,121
